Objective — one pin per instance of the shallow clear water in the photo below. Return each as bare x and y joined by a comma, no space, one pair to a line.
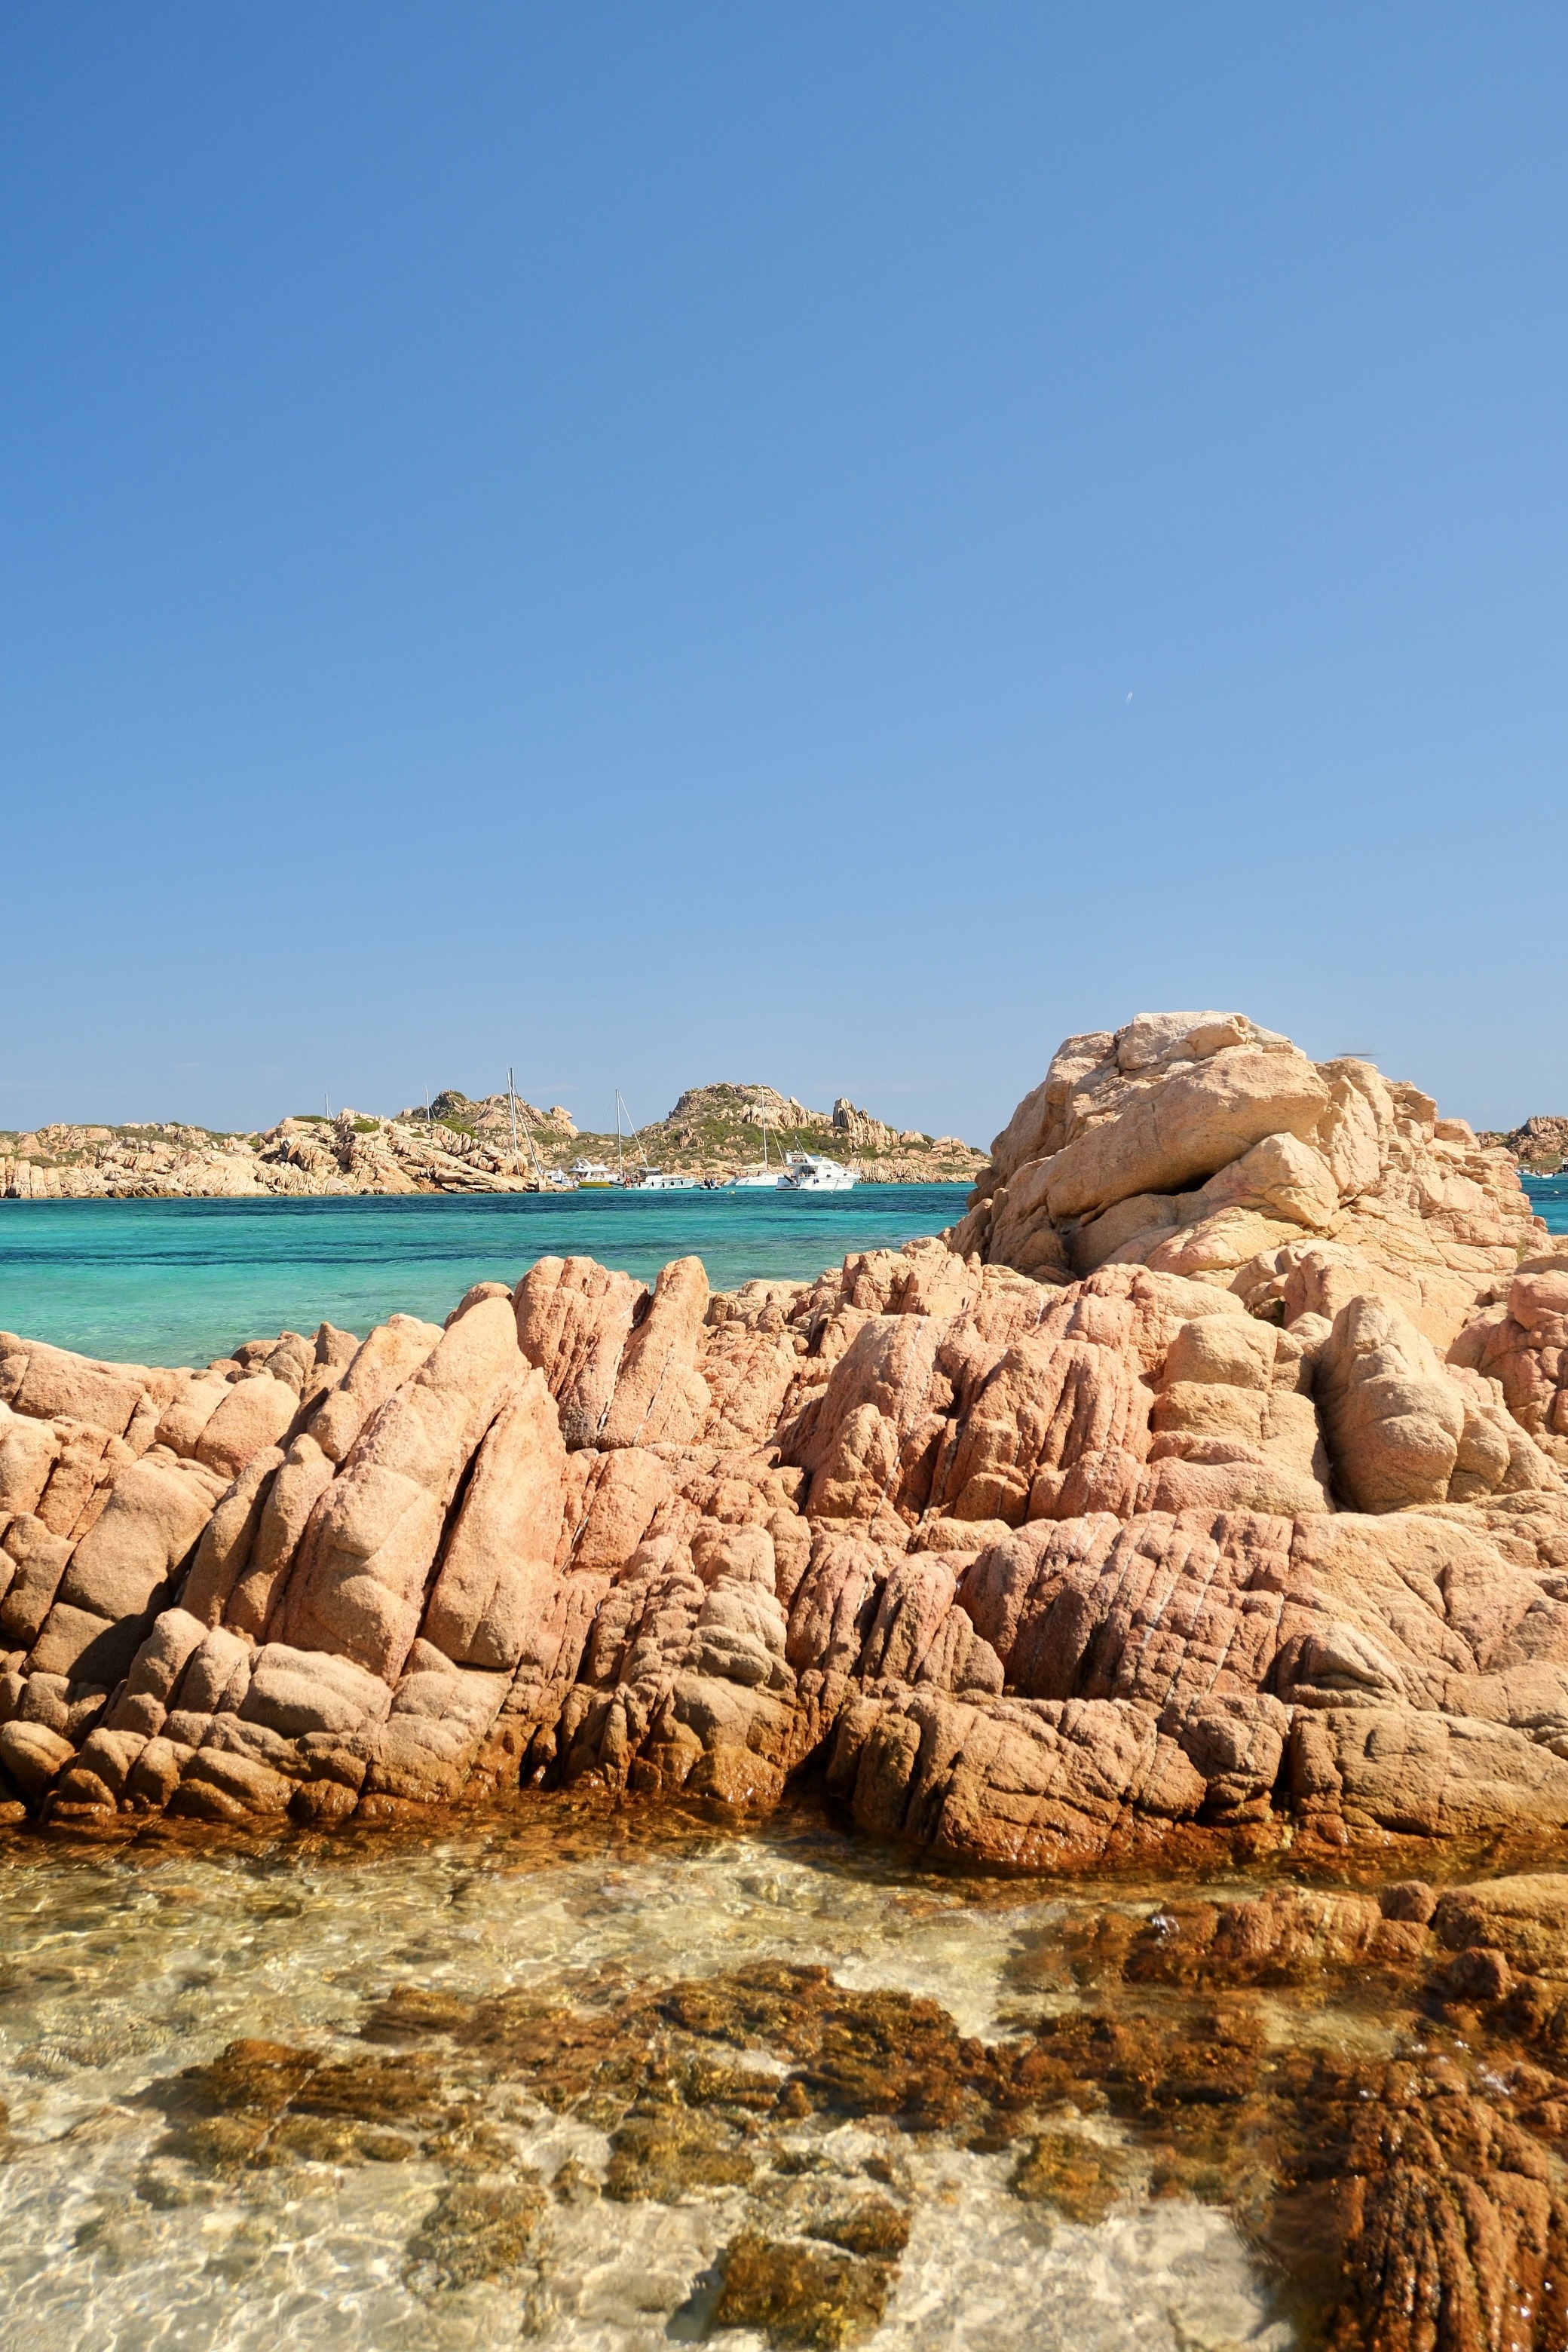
180,1282
120,1970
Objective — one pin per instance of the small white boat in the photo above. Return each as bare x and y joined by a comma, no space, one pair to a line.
810,1172
653,1179
758,1179
592,1176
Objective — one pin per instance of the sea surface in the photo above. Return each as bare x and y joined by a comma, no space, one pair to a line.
181,1282
148,2210
1549,1199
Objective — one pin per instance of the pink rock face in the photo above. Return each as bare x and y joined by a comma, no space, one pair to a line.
497,1574
573,1319
1522,1345
252,1416
660,1397
358,1583
1201,1145
1231,1508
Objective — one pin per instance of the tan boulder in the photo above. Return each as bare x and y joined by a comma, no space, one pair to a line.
1026,1785
1522,1344
295,1692
291,1494
660,1397
188,1412
1046,1405
51,1383
155,1513
1175,1104
32,1562
499,1572
1320,1277
33,1755
608,1505
250,1418
28,1452
748,1373
1524,1917
358,1582
392,1353
162,1657
573,1319
1402,1429
224,1548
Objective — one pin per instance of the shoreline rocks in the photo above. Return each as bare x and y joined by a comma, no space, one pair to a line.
1250,1532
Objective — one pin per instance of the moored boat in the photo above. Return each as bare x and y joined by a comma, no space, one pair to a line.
808,1172
758,1179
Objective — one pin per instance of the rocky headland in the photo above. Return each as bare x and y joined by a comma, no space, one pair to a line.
1539,1143
1195,1506
455,1144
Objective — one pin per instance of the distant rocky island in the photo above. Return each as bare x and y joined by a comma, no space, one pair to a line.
454,1144
1540,1145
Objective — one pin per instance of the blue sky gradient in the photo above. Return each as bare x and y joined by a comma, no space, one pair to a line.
833,544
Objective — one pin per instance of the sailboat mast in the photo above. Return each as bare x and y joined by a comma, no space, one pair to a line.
512,1108
620,1171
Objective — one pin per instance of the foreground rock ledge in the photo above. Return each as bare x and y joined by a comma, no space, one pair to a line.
1205,1480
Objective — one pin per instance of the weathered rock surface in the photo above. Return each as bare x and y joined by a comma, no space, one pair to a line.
1199,1144
1142,1538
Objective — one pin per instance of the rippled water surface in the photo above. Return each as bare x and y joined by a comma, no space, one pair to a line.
119,1971
179,1282
1549,1199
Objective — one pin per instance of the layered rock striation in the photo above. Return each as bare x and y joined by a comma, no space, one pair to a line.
1042,1547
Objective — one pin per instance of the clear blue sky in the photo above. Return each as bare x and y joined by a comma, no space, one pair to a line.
828,544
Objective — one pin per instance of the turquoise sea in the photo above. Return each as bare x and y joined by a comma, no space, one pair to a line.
179,1282
1549,1199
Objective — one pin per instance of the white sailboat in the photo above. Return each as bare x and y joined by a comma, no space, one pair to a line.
758,1179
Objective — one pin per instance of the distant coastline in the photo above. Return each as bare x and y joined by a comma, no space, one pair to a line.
456,1145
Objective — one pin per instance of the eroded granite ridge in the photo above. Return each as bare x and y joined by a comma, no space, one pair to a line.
1205,1482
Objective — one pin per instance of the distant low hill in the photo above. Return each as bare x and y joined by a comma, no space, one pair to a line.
456,1144
716,1130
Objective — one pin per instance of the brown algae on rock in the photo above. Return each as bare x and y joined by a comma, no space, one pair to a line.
465,2103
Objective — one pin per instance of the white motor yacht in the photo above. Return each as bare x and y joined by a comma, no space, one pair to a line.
808,1172
592,1176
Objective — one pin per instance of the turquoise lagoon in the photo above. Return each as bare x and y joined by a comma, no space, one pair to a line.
179,1282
